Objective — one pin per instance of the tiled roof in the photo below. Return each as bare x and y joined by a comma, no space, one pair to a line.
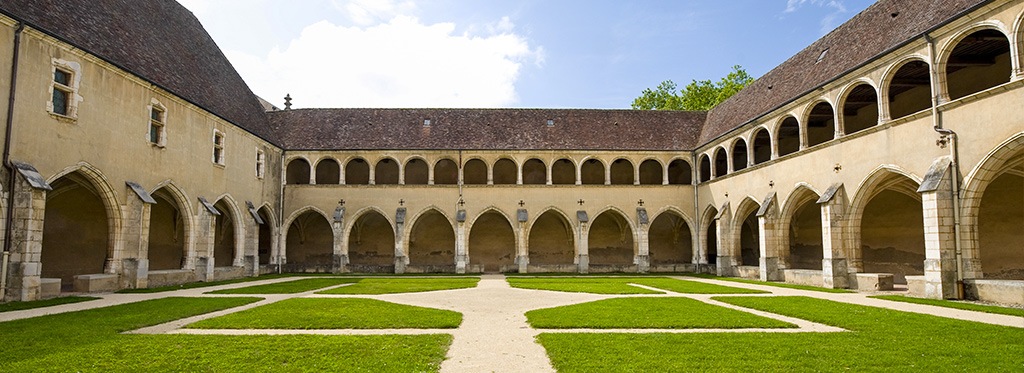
881,27
572,129
157,40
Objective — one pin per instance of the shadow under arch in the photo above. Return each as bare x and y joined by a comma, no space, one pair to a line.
993,213
171,227
551,241
800,242
611,240
492,242
886,225
430,242
670,238
746,237
309,241
369,242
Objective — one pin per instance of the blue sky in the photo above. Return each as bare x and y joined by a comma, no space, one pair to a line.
533,53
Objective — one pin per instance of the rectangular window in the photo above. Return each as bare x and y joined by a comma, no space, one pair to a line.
218,147
261,159
61,91
156,126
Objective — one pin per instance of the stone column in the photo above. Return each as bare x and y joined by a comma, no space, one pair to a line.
522,249
939,238
400,259
340,262
24,268
206,223
643,251
727,259
768,244
834,271
461,243
582,244
135,256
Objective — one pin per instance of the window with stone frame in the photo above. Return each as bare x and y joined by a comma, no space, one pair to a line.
63,91
261,161
157,124
218,147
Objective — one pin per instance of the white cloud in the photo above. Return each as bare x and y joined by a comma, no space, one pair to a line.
400,63
369,12
827,22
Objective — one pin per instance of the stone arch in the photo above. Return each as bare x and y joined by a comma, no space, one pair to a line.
746,237
475,172
563,172
670,239
416,171
386,171
431,241
297,172
651,172
787,136
309,241
859,106
328,171
739,154
721,162
708,240
620,171
266,245
592,172
535,172
819,122
611,239
761,145
505,171
906,88
886,225
446,172
357,171
1018,46
82,215
800,239
370,241
704,174
679,172
978,58
229,233
492,241
551,239
170,229
993,213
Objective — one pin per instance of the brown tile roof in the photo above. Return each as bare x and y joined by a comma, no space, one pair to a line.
881,27
526,129
157,40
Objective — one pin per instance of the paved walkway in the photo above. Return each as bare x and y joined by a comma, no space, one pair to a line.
494,336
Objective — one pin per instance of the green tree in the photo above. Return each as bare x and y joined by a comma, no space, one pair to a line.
696,96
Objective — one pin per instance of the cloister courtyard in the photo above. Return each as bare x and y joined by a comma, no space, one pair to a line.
514,323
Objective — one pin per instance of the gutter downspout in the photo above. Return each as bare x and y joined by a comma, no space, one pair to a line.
9,223
948,137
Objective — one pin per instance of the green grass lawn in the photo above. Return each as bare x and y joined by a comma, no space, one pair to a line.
404,285
621,285
642,313
767,283
18,306
288,287
89,341
955,304
336,313
878,340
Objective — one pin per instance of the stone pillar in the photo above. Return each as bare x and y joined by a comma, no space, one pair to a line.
939,238
461,243
340,262
834,271
582,244
135,256
727,259
24,268
521,248
400,259
643,250
769,243
206,223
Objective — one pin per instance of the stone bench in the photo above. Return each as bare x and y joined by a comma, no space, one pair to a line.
998,291
96,283
49,288
915,286
748,272
168,277
807,277
874,281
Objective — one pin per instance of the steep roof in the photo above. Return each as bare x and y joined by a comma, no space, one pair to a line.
883,26
523,129
157,40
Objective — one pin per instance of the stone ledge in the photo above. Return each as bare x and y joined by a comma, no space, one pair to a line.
96,283
49,288
996,291
808,277
915,286
875,281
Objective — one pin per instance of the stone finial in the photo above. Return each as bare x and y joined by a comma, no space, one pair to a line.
288,101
